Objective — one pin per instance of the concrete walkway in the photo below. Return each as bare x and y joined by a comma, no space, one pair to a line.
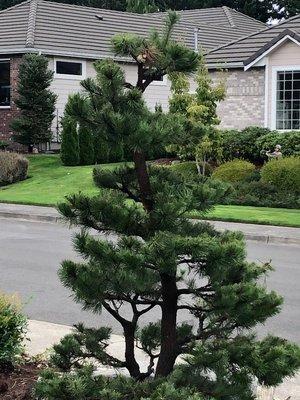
43,335
262,233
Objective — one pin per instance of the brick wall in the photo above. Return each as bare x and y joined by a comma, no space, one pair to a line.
245,96
6,115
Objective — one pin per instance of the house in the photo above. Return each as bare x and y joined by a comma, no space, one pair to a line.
72,37
263,78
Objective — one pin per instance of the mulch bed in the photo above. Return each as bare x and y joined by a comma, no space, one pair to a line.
18,384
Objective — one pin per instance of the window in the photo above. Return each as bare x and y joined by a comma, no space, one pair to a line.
4,83
288,100
69,69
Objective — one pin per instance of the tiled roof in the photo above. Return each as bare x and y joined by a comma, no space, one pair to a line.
64,29
244,50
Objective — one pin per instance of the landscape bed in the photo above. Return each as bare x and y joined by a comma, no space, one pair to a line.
49,181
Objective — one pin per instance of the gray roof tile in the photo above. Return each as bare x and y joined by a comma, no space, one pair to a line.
244,50
64,29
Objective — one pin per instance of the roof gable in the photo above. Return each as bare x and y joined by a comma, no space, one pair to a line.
245,50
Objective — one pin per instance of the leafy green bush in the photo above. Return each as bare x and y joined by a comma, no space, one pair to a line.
262,194
3,145
12,331
283,173
234,171
289,141
190,168
13,168
242,144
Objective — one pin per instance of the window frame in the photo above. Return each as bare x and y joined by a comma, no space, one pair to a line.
275,71
69,76
7,107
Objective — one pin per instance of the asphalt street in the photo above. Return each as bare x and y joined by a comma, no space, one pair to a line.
31,252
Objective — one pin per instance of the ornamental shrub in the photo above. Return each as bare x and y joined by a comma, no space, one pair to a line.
262,194
289,141
242,144
86,146
190,168
234,171
13,168
12,331
283,173
69,152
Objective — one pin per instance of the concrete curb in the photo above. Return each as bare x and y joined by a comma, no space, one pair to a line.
50,214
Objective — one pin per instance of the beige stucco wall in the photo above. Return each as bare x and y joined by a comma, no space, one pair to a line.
243,106
283,57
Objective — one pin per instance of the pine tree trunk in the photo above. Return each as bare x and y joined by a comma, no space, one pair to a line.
168,352
143,180
131,364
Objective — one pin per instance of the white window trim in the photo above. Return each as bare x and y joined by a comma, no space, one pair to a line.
72,77
275,70
5,107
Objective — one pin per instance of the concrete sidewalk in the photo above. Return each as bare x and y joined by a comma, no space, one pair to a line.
43,335
262,233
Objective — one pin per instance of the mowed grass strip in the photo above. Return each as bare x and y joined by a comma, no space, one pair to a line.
254,215
49,182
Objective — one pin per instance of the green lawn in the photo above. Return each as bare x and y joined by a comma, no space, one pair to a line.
256,215
49,182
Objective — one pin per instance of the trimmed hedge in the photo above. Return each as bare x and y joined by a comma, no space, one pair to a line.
234,171
13,168
289,141
283,173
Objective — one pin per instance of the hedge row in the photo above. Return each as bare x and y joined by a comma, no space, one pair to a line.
252,143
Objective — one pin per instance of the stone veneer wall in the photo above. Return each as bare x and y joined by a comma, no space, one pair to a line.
6,115
245,98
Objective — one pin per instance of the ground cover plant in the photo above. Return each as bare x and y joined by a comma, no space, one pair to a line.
159,260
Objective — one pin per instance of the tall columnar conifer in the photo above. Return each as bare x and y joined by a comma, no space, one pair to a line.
159,261
69,152
35,101
86,146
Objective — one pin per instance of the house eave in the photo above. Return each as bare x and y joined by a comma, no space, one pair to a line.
225,65
48,52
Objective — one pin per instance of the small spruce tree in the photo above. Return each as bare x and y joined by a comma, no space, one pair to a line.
69,152
86,146
35,101
159,261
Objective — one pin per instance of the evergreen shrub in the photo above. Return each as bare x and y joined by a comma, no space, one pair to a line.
69,151
242,144
86,146
13,168
12,331
283,173
289,141
234,171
